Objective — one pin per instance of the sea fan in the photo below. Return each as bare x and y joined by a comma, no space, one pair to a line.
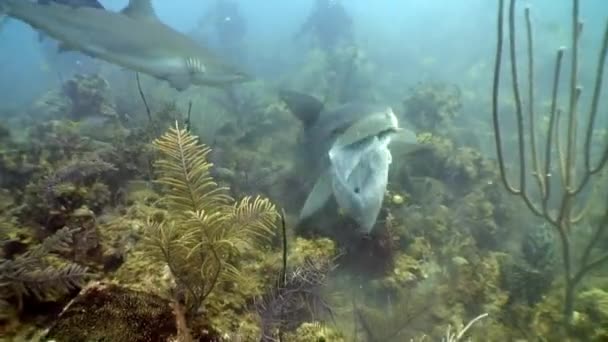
206,227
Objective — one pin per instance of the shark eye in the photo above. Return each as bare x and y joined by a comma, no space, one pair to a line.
357,190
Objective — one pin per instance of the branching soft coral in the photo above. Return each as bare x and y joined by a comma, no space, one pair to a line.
206,229
283,305
32,274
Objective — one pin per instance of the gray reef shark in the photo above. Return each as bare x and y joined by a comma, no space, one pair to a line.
71,3
74,3
134,38
347,150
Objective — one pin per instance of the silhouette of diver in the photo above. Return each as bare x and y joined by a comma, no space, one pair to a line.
224,27
329,23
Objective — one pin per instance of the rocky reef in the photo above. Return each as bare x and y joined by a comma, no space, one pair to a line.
130,228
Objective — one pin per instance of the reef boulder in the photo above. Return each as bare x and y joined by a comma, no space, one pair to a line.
108,312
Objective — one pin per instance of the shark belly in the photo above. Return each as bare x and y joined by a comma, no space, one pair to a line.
360,178
159,67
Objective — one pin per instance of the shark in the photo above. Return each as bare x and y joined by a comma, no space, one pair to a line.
74,3
71,3
347,150
134,38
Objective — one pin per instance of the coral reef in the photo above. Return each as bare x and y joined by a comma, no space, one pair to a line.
88,94
35,273
314,332
180,225
459,167
431,106
592,312
529,276
109,312
281,308
80,97
76,184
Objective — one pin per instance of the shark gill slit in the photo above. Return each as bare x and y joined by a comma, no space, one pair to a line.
194,65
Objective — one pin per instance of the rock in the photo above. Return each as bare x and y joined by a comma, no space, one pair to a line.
112,259
397,199
109,312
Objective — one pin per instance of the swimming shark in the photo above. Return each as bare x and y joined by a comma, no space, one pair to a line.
134,38
74,3
346,148
71,3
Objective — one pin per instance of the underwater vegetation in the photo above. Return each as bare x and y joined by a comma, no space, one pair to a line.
205,229
171,245
430,106
147,214
33,273
562,205
299,291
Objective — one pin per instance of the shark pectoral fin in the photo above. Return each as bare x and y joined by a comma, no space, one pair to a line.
141,10
404,142
179,82
319,195
405,136
304,107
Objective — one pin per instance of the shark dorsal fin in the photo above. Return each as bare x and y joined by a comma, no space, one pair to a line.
140,9
304,107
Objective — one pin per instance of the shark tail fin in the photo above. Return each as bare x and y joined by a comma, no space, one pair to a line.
304,107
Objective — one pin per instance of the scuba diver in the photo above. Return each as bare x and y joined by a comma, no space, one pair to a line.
224,28
329,23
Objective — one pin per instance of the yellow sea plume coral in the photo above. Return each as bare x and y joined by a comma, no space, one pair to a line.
205,229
